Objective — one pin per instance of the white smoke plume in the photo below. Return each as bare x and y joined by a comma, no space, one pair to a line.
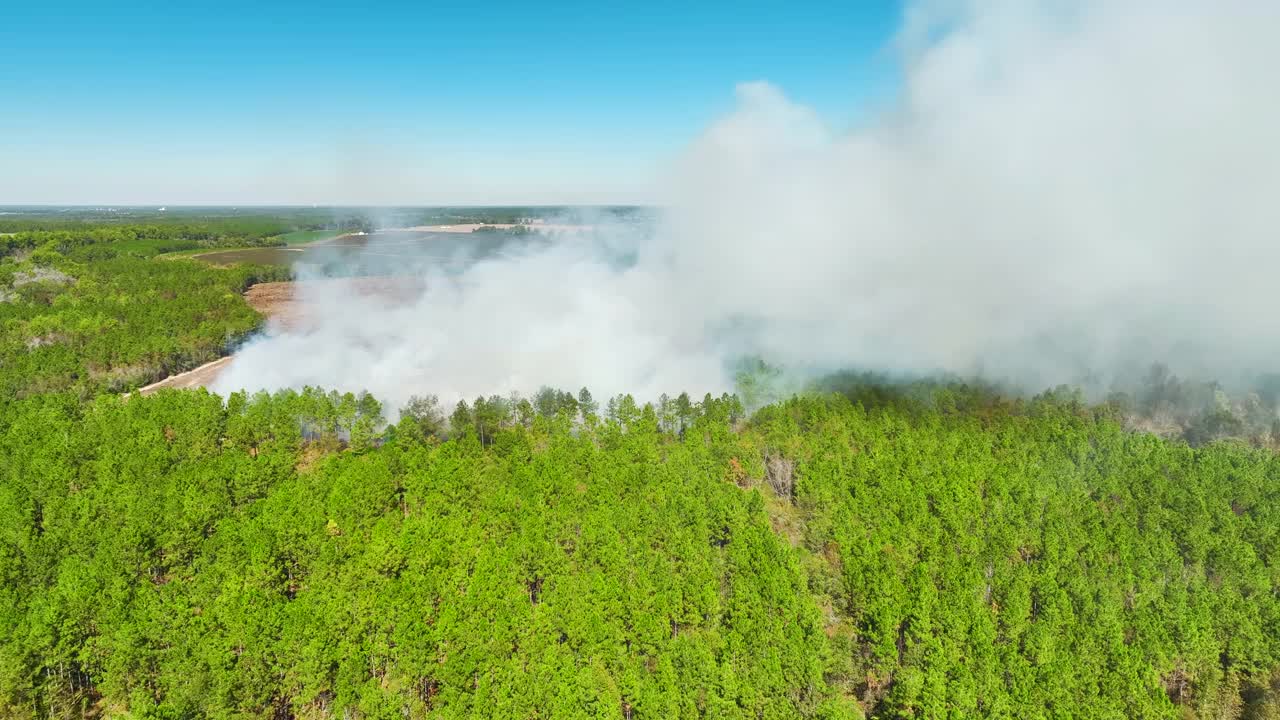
1062,192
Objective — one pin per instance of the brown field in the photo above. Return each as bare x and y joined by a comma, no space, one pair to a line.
275,300
286,311
256,256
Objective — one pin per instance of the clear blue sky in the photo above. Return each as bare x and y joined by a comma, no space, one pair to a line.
274,102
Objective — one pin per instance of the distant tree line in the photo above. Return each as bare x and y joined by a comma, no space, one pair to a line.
138,240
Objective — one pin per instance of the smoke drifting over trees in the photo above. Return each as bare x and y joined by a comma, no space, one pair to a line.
1058,194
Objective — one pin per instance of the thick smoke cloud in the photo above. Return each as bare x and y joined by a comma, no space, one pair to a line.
1063,192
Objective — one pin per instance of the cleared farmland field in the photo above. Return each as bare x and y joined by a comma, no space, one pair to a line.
252,256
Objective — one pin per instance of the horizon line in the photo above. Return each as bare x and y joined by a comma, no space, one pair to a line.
157,206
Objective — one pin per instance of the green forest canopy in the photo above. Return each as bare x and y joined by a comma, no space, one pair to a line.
930,549
94,310
182,556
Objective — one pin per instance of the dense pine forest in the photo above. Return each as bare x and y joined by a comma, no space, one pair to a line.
94,309
177,555
861,549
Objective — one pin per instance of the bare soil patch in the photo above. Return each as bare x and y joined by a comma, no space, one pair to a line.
275,300
287,310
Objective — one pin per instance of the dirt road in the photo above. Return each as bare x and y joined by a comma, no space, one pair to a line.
200,377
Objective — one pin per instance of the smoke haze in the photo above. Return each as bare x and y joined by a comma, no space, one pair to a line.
1062,192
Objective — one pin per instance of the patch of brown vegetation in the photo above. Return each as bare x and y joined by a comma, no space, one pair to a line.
737,474
780,474
1161,424
311,454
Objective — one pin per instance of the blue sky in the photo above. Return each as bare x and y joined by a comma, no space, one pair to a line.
394,103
